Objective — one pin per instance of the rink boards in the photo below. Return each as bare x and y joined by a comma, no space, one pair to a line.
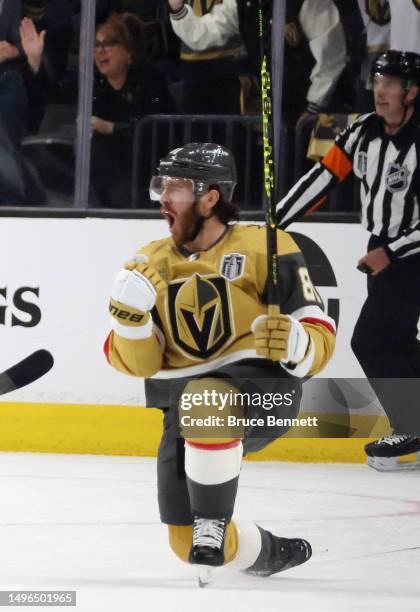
54,293
127,430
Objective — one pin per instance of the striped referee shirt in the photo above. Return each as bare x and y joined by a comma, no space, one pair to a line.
388,173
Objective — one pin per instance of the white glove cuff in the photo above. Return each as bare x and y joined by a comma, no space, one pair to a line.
138,332
302,368
297,342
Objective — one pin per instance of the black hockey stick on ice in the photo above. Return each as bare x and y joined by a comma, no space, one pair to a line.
265,11
26,371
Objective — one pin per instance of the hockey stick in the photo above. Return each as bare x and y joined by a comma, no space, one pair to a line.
267,117
26,371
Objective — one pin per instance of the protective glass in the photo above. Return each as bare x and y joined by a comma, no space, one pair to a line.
176,189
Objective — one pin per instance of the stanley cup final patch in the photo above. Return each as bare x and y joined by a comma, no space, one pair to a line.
232,266
396,178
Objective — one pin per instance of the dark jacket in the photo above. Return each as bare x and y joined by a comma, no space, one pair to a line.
144,93
10,16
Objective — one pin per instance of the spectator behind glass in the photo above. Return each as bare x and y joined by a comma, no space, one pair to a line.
162,44
126,88
315,48
55,17
376,18
13,104
210,81
405,25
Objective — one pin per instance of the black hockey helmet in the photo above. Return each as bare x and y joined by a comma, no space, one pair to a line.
403,64
205,163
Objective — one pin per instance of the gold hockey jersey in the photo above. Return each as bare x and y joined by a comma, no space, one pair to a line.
203,319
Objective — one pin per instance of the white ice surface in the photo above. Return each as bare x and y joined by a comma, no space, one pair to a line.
90,523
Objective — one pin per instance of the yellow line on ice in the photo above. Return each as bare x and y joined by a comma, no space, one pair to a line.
131,430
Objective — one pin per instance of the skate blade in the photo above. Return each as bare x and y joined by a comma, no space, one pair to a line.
406,463
205,575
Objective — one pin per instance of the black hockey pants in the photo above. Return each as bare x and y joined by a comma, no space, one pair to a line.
385,340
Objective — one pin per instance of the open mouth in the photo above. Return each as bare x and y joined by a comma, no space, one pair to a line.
103,63
169,217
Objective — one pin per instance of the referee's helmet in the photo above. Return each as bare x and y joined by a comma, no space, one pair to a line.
403,64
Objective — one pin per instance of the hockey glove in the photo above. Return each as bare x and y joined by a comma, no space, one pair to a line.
132,297
280,338
139,263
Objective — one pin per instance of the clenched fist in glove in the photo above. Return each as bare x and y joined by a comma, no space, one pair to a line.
280,338
132,297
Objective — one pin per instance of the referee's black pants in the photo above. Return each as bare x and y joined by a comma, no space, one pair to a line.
385,340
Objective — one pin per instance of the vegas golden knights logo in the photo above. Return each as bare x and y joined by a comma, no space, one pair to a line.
378,11
417,4
200,317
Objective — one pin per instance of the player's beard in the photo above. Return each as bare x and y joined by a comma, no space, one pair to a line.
190,225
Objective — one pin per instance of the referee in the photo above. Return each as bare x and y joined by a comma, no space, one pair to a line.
383,151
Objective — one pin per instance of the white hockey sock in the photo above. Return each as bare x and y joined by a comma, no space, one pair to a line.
249,544
213,464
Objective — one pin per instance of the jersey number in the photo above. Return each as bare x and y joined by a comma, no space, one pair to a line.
309,292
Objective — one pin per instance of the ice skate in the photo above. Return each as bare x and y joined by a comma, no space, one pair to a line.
279,554
208,542
394,453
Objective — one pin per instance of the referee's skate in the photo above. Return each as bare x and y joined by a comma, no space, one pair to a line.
394,453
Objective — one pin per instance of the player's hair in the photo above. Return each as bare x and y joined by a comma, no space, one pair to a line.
224,210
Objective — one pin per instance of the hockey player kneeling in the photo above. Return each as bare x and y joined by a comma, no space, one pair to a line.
189,314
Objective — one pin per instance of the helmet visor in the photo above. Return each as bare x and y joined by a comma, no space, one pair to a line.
176,189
